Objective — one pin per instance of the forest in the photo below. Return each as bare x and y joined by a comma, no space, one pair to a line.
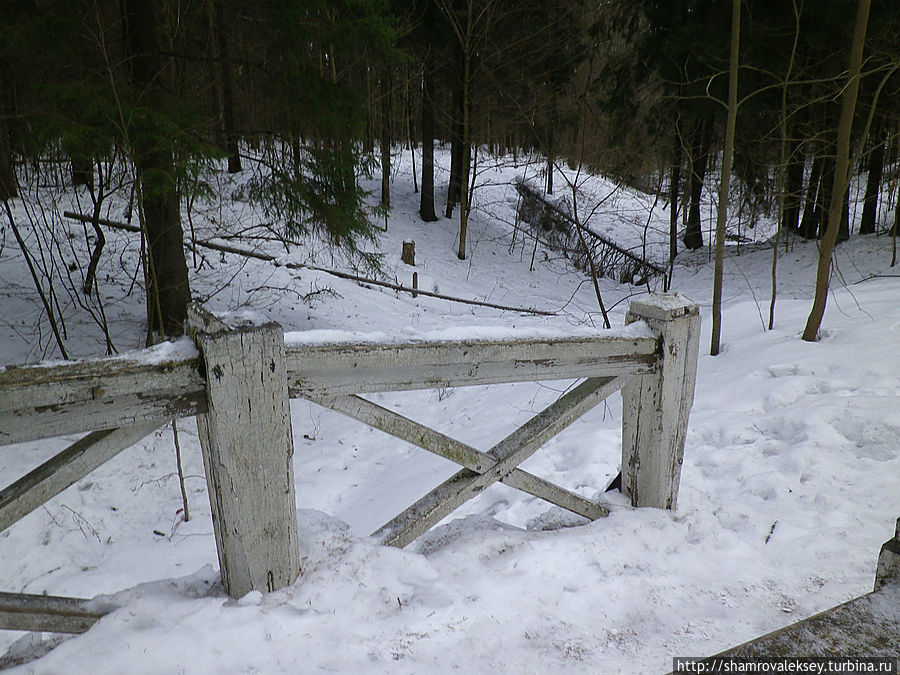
140,97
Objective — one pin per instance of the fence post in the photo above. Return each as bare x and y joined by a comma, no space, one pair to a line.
656,406
247,453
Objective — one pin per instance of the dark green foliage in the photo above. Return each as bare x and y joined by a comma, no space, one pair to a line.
318,192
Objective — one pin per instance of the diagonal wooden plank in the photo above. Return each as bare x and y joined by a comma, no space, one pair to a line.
508,453
435,442
402,427
69,466
50,613
554,494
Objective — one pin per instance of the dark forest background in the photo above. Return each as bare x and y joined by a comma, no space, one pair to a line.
319,91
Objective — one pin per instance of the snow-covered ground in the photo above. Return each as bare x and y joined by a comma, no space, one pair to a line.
789,486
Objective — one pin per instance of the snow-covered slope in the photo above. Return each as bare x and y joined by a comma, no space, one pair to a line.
790,481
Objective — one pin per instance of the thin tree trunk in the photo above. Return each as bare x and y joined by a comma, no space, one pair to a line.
727,158
386,139
693,234
410,125
550,133
844,229
873,186
809,224
839,187
895,230
456,132
824,198
790,212
426,201
466,133
8,186
792,164
549,174
168,289
673,213
226,87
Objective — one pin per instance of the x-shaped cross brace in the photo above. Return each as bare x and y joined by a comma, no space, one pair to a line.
482,469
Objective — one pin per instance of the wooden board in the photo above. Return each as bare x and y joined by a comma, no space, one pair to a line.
51,613
435,442
73,397
71,465
507,455
865,626
347,368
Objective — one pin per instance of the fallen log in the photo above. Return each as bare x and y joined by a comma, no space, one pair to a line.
342,275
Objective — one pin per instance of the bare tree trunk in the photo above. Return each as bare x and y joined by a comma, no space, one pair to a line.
809,224
844,229
550,149
386,138
727,158
8,185
426,201
873,184
790,211
825,196
225,86
673,215
693,234
168,289
839,187
466,134
792,164
454,186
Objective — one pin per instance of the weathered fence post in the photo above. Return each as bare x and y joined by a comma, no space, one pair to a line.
247,452
656,406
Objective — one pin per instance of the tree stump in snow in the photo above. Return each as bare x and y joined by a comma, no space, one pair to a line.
408,254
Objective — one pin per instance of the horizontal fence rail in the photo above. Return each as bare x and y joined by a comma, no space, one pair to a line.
353,368
54,400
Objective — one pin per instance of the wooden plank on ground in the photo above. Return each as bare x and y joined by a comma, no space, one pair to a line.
358,368
444,446
51,613
508,454
69,466
865,626
72,397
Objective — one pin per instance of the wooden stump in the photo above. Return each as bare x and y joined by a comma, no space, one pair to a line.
656,406
247,452
408,254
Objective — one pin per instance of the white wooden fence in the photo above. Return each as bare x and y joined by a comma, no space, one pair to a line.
237,384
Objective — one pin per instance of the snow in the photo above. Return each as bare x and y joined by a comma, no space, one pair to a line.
167,351
463,334
788,489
